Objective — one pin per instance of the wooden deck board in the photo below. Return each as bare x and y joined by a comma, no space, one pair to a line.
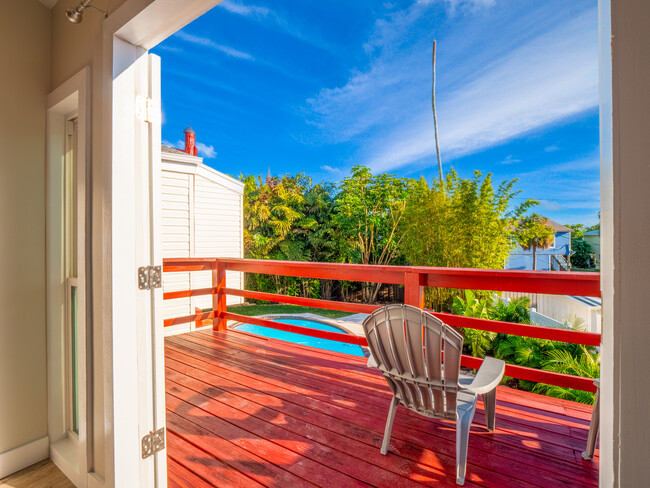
244,409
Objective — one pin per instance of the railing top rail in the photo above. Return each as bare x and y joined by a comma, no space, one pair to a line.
547,282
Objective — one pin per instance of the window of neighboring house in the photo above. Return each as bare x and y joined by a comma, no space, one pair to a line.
71,284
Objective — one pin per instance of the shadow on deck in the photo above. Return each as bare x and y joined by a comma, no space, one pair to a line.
246,411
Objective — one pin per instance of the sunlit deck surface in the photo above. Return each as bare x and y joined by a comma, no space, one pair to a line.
245,411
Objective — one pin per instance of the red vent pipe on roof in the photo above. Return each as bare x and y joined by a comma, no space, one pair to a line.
190,142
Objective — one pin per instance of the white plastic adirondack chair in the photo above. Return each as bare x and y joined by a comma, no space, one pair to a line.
408,346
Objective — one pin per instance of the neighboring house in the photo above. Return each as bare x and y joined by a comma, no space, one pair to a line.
202,216
555,258
592,238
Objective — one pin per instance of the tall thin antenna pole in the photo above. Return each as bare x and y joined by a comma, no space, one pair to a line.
433,107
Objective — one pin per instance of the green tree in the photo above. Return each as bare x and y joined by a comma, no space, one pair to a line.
581,257
533,233
275,226
369,212
584,362
478,341
462,223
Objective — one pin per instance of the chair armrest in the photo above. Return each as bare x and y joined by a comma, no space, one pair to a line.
488,377
371,362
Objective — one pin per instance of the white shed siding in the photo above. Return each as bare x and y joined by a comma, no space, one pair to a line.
176,218
201,218
218,230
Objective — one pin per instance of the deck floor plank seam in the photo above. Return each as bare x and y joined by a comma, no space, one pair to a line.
559,412
275,372
374,443
560,441
297,409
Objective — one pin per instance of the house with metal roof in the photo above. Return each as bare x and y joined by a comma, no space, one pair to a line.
554,258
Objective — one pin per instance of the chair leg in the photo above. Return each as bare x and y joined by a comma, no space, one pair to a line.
463,424
593,429
389,424
490,404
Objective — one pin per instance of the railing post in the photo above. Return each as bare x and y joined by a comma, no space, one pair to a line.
219,297
413,290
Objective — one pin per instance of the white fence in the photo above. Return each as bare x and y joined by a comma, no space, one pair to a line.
553,310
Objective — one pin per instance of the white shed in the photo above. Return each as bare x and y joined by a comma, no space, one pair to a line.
202,214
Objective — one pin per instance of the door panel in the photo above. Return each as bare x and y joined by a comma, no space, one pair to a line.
138,399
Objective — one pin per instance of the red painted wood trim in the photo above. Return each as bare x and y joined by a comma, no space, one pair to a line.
550,282
219,299
308,302
170,295
189,318
535,331
413,290
296,329
537,375
334,271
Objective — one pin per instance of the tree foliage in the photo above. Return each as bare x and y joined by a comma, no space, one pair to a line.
368,216
460,223
558,357
532,232
582,252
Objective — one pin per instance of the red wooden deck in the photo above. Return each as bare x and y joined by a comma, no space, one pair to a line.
245,411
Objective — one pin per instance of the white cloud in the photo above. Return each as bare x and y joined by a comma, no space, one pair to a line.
540,83
549,76
206,151
510,160
171,49
551,148
245,10
204,41
271,18
179,144
330,169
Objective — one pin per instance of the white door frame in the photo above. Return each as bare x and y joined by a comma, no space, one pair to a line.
68,450
133,352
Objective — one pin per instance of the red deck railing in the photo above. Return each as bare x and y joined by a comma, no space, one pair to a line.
414,279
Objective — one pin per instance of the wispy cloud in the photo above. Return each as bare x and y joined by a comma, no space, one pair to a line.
548,78
205,150
204,41
245,10
330,169
552,148
171,49
454,5
179,144
280,22
510,160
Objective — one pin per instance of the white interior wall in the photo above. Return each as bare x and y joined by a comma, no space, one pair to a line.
24,85
73,48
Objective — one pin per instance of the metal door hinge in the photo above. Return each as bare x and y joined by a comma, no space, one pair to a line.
145,109
153,442
149,277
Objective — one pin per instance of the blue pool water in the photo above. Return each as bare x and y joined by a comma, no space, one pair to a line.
304,340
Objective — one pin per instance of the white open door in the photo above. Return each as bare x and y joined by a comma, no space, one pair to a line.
138,353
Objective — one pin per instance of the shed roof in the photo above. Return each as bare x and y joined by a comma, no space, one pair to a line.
172,150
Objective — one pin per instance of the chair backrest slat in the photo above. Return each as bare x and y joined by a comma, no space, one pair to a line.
419,355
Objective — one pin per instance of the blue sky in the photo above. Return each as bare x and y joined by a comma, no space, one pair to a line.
321,86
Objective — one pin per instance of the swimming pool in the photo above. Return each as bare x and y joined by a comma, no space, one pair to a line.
302,339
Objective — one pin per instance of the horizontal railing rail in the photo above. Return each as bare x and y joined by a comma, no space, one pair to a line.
414,279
